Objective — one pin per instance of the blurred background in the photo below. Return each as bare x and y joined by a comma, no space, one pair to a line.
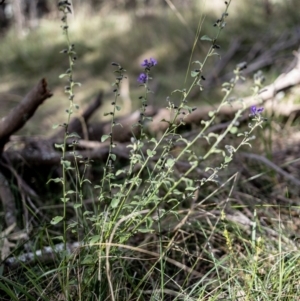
262,32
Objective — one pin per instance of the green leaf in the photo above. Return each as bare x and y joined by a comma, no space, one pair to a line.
64,200
214,135
56,145
55,126
135,181
215,53
145,230
66,163
211,113
149,222
199,84
153,140
94,239
113,157
87,180
148,118
118,108
248,144
194,73
206,38
72,225
233,130
56,180
182,139
104,138
77,206
60,237
170,162
55,220
88,260
177,90
188,108
74,134
70,192
227,159
190,189
176,192
113,185
149,153
114,203
173,200
120,171
118,124
63,75
164,120
199,63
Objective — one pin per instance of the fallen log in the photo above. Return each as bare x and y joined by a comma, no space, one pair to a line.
259,56
11,123
36,157
266,98
18,116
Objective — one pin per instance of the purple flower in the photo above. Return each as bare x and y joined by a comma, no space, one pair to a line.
142,78
148,64
256,111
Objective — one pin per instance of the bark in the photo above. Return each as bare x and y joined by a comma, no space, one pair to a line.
18,116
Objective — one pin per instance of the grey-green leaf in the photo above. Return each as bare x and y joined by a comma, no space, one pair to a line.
104,137
55,220
205,38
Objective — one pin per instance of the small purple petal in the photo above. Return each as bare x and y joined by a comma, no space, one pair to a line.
142,78
253,110
148,64
153,61
260,110
145,63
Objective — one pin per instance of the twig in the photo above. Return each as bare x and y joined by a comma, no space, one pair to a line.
273,166
46,254
268,55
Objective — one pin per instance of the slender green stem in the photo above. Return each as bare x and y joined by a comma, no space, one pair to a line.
64,7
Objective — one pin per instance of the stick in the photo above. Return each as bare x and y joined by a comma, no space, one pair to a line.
18,116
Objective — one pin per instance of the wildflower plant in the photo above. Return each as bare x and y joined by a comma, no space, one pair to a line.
136,198
67,167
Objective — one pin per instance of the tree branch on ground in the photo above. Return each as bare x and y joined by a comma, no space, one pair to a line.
18,116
